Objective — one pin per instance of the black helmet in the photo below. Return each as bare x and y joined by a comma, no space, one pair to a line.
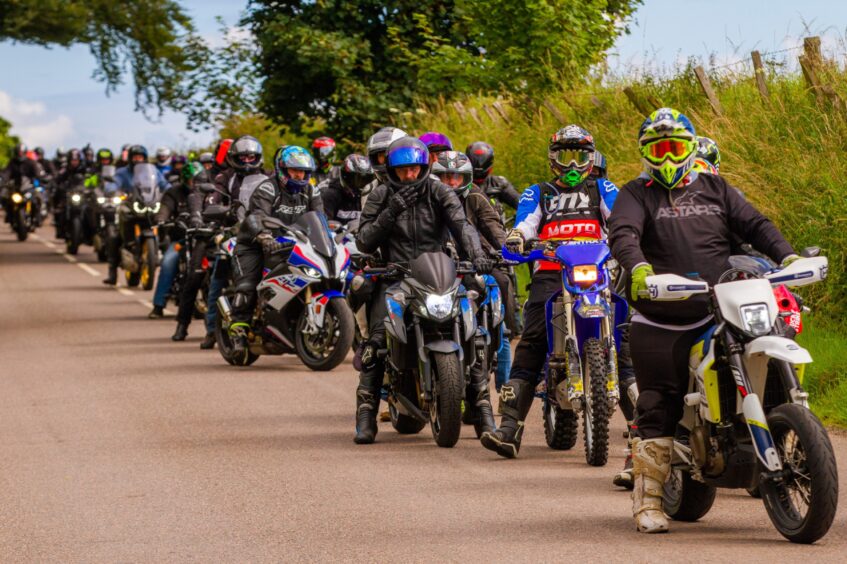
356,172
88,153
134,151
39,151
481,155
378,145
76,155
454,169
245,154
407,152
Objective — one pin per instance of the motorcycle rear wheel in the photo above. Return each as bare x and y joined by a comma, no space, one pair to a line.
445,411
686,499
225,346
561,426
597,412
804,448
338,329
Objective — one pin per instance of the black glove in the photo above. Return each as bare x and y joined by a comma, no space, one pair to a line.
483,265
403,199
270,244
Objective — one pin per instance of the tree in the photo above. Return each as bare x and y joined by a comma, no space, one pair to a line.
354,62
153,39
7,142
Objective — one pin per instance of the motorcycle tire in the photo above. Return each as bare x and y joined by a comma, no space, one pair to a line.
225,346
132,278
561,426
100,246
21,227
149,260
74,237
597,412
686,499
445,411
813,469
339,320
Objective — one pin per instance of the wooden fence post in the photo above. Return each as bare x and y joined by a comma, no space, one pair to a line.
811,76
475,116
636,101
490,113
655,102
812,50
598,103
706,85
759,71
554,110
502,111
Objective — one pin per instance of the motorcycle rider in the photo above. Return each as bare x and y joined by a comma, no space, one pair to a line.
377,147
177,164
75,168
497,188
89,159
20,166
672,219
323,151
403,218
572,206
236,160
286,196
342,191
207,159
163,161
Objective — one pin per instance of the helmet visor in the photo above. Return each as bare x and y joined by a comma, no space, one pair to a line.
573,157
676,150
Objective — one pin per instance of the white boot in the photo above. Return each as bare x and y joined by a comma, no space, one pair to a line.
651,466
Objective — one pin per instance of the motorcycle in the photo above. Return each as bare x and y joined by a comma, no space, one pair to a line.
25,209
107,198
583,339
140,255
730,438
430,345
301,305
77,229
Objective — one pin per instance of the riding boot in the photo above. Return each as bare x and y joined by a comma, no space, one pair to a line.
515,400
478,402
112,278
181,332
651,466
623,479
367,406
208,342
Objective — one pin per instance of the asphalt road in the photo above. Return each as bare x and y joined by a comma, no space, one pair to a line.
119,445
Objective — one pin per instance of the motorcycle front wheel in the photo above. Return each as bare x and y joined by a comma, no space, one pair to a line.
74,239
149,255
21,227
445,411
686,499
330,346
597,412
801,505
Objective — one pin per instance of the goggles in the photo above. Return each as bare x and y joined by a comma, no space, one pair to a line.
573,157
676,150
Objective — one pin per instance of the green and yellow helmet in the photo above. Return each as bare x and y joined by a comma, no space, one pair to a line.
189,171
668,145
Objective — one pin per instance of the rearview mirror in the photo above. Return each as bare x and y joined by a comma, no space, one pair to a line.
215,212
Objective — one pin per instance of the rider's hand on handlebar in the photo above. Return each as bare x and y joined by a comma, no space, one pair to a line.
515,242
270,244
788,260
639,281
483,265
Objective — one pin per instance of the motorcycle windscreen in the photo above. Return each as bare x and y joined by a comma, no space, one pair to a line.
145,182
314,226
434,270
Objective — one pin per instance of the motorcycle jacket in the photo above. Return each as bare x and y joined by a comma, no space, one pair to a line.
340,204
686,231
271,200
500,191
550,212
421,228
19,169
230,181
174,202
484,219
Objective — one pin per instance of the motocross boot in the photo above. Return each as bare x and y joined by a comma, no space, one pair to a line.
112,278
515,401
623,479
651,466
367,406
181,332
478,402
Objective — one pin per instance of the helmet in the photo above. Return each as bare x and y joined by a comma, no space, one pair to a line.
323,150
294,158
708,150
668,145
75,155
356,172
39,152
481,156
163,154
245,154
88,153
599,168
136,150
221,152
571,154
61,153
20,150
179,159
455,170
702,165
207,157
404,152
104,154
378,145
125,153
189,171
436,142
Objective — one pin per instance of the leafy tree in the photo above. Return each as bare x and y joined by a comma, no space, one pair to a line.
355,62
7,142
153,39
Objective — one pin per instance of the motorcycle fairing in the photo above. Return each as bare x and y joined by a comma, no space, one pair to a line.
754,415
394,322
281,289
701,362
316,309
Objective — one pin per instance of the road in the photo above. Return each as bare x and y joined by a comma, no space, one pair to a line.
117,444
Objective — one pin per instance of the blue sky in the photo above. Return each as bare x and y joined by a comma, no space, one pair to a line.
51,99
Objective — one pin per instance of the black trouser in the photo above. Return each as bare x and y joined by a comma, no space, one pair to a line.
373,366
507,293
660,357
626,373
193,282
531,352
248,261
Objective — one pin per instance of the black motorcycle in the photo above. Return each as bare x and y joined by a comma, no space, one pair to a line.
25,209
79,228
140,253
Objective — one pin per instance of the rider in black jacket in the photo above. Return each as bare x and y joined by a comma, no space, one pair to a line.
404,218
342,191
286,196
498,189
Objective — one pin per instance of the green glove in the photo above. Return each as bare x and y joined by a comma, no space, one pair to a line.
788,260
639,280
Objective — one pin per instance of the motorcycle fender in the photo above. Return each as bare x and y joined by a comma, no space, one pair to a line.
591,305
757,424
442,346
317,307
779,348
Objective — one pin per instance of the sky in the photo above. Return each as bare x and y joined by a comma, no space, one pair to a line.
52,100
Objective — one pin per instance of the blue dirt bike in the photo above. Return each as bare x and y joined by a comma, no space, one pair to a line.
583,339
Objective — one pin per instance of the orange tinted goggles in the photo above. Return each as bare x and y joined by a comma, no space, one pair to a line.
673,148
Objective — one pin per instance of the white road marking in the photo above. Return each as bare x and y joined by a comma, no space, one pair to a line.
88,269
125,292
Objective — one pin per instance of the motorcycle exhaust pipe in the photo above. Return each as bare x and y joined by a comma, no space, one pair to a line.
225,309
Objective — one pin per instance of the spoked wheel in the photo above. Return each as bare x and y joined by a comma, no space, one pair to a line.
149,260
445,411
595,416
802,504
561,426
328,348
225,346
686,499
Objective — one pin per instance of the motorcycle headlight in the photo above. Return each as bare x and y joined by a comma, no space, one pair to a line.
439,306
313,272
343,274
137,207
101,200
76,198
756,319
155,208
17,198
585,274
117,200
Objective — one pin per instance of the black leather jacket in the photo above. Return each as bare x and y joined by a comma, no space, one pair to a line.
419,229
340,204
270,200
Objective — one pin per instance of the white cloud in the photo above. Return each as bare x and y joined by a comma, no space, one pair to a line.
34,124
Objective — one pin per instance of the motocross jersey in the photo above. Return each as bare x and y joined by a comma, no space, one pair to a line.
548,212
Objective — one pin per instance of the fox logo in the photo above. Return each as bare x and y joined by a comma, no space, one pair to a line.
507,393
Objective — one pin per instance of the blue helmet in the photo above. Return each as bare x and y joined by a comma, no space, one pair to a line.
406,152
297,158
